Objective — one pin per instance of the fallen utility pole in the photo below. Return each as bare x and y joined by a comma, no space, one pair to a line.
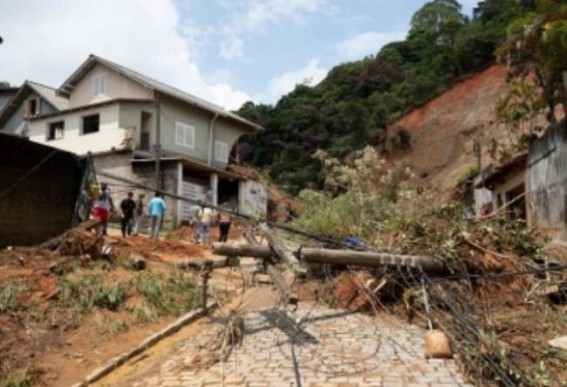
282,252
337,257
288,297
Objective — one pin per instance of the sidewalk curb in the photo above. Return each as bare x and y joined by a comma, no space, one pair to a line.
147,343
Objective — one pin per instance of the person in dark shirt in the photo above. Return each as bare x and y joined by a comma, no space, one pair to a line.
127,206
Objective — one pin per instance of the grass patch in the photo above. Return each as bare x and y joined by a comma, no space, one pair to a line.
10,295
84,292
171,295
113,327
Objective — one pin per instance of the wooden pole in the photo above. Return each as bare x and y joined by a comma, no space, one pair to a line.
282,252
338,257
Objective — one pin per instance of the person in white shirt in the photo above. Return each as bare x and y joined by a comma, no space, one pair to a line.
206,217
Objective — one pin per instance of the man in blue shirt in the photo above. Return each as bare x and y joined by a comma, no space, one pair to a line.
156,211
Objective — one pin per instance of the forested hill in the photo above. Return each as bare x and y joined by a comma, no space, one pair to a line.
357,101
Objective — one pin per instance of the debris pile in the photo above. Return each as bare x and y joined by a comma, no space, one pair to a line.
79,288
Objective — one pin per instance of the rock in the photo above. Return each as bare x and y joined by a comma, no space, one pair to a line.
559,342
437,345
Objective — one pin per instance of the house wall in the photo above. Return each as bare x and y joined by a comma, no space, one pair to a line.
119,164
15,123
252,198
546,182
109,136
131,117
228,132
41,206
172,111
117,86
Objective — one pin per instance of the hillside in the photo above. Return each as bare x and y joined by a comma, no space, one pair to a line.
444,129
357,102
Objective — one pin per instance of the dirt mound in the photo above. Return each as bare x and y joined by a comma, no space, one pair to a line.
55,305
78,242
168,250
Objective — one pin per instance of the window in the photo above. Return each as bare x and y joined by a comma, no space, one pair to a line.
99,85
184,135
221,151
31,108
91,124
55,130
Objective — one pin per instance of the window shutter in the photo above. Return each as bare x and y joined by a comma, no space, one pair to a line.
179,134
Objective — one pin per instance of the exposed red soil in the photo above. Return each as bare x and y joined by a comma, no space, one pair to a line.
62,349
444,129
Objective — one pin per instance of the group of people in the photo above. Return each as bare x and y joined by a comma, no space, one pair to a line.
132,212
203,218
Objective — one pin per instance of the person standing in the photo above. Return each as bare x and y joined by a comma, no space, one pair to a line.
156,211
102,206
225,220
194,211
127,207
206,217
139,217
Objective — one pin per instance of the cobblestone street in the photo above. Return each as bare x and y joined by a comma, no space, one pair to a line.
327,348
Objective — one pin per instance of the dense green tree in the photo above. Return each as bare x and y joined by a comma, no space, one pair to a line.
357,103
538,44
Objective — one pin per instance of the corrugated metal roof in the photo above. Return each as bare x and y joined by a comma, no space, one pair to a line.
150,83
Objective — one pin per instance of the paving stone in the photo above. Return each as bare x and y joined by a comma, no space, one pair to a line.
334,349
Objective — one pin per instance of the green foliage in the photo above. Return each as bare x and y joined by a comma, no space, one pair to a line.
10,293
173,295
356,104
82,293
538,46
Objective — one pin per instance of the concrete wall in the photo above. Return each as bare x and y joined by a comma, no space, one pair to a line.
546,182
41,206
117,121
109,136
117,86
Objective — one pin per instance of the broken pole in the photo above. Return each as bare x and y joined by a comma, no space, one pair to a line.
338,257
275,274
205,275
282,252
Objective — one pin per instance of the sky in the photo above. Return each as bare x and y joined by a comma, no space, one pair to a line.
225,51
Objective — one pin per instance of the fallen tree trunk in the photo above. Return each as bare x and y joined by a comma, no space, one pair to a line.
282,252
277,277
54,243
338,257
